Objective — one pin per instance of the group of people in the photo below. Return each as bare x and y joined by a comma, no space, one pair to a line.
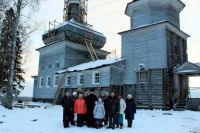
106,110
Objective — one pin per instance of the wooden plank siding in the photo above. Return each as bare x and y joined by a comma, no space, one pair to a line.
66,56
146,45
194,104
151,94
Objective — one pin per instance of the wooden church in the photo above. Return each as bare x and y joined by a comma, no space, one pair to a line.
154,65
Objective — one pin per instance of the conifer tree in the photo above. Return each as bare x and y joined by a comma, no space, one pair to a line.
5,48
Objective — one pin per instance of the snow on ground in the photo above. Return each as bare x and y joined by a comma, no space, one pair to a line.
41,120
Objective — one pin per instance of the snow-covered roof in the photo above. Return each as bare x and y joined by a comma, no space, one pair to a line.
187,68
90,65
198,64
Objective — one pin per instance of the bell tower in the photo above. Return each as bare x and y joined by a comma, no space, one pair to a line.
147,12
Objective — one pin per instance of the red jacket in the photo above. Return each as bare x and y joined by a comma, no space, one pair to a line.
80,106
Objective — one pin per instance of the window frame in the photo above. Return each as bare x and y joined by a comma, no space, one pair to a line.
42,67
94,78
48,81
145,76
80,77
49,66
56,79
41,83
57,65
68,80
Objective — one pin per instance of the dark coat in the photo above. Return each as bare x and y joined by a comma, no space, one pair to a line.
106,104
90,102
68,105
130,109
113,106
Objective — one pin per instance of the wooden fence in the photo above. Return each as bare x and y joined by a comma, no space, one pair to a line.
194,104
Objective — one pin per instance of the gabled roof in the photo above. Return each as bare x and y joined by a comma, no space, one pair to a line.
187,68
91,65
198,64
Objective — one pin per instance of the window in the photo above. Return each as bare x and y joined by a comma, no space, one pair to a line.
67,81
49,66
42,67
48,81
142,75
80,79
57,65
95,78
55,80
41,81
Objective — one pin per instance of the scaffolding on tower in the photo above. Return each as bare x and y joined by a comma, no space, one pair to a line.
76,9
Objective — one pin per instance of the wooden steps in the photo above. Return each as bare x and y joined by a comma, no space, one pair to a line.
180,104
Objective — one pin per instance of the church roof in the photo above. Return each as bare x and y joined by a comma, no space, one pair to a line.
188,68
91,65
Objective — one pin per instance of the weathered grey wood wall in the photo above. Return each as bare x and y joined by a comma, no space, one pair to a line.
194,104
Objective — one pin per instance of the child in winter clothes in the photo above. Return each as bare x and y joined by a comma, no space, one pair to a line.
99,113
80,109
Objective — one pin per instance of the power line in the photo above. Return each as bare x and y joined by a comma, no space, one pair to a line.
103,4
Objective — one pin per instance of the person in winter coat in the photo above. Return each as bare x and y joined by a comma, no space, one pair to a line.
122,107
113,110
67,104
130,110
99,113
105,100
74,96
90,102
80,109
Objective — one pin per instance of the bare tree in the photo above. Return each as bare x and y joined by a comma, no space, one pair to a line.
19,6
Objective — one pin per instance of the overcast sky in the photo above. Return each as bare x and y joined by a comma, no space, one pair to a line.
107,16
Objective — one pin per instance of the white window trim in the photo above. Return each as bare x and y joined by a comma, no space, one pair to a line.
93,78
66,81
47,81
41,82
78,78
54,82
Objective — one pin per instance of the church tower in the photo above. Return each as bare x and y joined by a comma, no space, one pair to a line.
152,48
66,44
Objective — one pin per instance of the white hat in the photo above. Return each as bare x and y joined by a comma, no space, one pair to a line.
99,99
129,95
74,93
